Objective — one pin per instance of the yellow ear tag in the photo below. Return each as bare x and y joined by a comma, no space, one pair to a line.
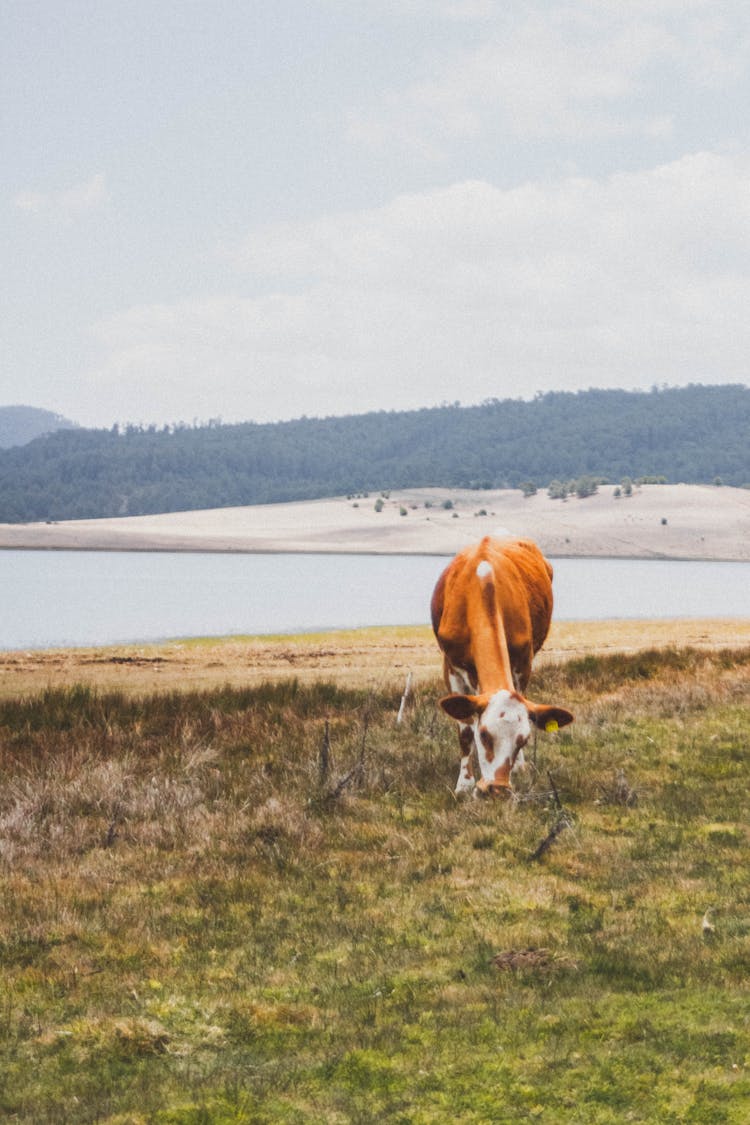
552,725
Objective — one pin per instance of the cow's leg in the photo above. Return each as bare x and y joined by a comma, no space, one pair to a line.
521,674
465,782
459,681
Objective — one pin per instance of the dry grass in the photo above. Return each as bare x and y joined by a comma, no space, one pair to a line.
355,658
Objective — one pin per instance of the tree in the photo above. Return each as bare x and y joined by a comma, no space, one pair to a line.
691,434
585,486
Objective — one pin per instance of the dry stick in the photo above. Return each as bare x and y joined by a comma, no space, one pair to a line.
559,826
339,788
359,769
562,822
112,832
404,698
324,763
357,773
555,794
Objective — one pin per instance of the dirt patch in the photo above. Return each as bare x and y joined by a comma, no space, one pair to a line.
356,658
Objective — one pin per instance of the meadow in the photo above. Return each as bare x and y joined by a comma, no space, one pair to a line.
265,903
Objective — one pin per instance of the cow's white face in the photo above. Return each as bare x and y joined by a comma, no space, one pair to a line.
501,731
499,725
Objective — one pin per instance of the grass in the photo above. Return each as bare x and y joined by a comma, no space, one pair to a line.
371,658
195,926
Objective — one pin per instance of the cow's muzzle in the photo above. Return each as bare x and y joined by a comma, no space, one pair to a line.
493,789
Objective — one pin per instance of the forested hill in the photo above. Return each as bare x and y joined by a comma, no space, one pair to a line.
691,434
21,424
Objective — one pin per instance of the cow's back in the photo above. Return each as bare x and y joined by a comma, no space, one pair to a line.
522,581
532,580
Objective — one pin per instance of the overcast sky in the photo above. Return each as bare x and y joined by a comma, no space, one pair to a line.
258,209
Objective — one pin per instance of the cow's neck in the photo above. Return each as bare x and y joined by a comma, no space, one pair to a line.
491,655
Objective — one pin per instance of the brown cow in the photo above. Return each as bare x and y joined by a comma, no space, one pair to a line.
491,612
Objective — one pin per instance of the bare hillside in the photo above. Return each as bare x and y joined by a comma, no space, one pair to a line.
657,521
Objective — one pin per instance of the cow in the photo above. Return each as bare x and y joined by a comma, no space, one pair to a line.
491,611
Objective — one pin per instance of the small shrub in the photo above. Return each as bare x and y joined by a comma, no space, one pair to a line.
585,486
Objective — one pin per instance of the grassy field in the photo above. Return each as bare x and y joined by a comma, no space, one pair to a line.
203,921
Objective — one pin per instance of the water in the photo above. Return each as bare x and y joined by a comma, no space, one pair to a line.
61,598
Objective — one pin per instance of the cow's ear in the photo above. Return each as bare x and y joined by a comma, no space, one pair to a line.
463,708
548,718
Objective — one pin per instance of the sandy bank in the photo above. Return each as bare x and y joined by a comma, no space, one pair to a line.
657,521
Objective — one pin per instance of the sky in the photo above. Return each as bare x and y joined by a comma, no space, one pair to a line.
246,210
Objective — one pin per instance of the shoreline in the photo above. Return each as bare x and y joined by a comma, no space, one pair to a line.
324,552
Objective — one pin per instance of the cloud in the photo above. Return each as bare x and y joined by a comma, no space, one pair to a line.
68,203
468,10
463,293
545,71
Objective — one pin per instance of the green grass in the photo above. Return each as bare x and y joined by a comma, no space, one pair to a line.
195,928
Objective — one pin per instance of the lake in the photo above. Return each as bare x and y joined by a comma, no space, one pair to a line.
61,598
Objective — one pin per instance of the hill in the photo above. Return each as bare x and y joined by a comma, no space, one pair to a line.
693,434
680,521
21,424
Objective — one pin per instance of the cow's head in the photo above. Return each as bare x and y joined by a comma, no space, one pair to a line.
502,727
